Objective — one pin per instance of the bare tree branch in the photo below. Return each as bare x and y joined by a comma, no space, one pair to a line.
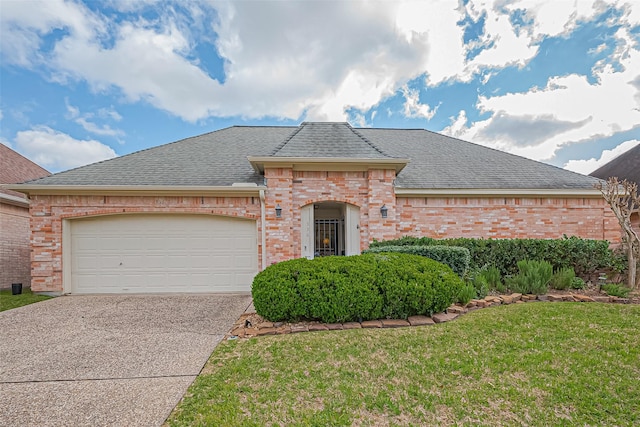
624,200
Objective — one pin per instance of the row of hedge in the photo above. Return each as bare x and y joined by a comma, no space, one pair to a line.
585,256
354,288
454,256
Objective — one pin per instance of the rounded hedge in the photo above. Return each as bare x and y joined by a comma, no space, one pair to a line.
354,288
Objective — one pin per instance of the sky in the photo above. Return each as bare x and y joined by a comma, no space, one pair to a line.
555,81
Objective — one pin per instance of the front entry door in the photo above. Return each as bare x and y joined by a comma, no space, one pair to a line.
330,228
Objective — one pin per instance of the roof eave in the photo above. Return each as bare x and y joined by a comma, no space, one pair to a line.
499,192
327,163
239,189
9,199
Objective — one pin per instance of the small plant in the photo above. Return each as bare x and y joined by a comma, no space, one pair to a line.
615,290
578,283
466,294
533,277
493,278
479,283
563,278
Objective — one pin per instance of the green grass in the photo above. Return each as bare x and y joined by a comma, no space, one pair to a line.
8,301
526,364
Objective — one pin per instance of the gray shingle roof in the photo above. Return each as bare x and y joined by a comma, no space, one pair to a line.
220,158
439,161
327,140
216,158
625,166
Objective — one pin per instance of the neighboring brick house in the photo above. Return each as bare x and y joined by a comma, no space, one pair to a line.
206,213
625,166
15,260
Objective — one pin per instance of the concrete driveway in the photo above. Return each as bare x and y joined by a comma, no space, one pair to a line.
107,360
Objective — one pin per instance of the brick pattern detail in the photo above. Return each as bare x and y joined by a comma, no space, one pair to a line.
14,246
47,213
499,217
292,190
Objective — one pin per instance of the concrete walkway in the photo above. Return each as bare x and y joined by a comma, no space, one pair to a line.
122,360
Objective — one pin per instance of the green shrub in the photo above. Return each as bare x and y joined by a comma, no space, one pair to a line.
533,277
563,278
586,256
578,283
479,284
616,290
493,278
363,287
455,257
467,293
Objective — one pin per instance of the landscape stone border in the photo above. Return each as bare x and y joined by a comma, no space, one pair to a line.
251,324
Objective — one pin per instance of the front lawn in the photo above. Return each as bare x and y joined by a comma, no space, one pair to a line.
8,301
523,364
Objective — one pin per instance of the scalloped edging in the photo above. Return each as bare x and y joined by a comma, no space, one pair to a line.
251,325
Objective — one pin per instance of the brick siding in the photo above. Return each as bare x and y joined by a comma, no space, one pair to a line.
14,246
511,217
496,217
48,213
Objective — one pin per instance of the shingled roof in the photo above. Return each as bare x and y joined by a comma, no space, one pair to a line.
323,140
220,158
625,166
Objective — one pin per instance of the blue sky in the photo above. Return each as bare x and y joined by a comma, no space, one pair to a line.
556,81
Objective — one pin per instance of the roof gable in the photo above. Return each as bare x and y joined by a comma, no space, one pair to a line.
324,140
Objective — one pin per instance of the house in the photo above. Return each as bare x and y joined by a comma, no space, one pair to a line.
206,213
625,166
15,258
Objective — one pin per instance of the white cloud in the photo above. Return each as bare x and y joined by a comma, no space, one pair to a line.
590,165
56,151
281,60
413,107
83,119
502,46
288,59
569,109
23,23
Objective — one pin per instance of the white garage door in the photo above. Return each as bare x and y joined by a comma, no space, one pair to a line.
162,253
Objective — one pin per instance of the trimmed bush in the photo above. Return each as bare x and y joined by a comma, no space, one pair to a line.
533,277
455,257
585,256
362,287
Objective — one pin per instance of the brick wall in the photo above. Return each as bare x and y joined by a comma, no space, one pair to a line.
511,217
292,190
14,246
497,217
48,212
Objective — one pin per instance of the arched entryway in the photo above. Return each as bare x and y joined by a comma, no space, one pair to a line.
330,228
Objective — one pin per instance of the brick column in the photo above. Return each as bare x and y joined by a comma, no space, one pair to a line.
381,192
46,248
279,231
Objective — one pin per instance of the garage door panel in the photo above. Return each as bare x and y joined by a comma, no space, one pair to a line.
162,253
